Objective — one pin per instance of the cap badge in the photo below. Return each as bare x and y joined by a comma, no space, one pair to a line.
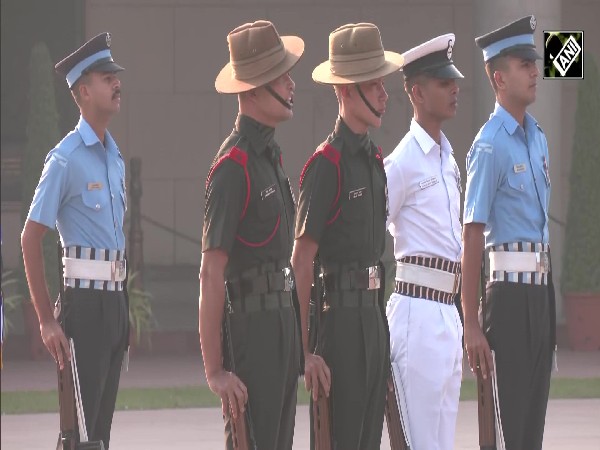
449,51
532,22
108,39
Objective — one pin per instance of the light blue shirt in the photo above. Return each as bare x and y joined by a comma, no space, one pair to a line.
82,191
508,181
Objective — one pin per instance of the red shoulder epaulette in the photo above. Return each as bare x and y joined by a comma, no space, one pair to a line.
240,157
333,155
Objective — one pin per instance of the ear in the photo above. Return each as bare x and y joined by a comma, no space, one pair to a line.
83,91
417,93
346,91
499,79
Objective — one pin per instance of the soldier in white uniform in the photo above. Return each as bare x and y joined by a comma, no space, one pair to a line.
424,211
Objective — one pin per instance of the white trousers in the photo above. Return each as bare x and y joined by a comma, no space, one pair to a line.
426,344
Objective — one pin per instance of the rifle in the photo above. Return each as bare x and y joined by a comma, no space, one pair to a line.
321,414
321,409
242,429
393,418
485,394
69,435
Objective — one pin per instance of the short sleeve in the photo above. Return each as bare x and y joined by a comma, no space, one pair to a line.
225,200
396,188
49,193
482,183
318,190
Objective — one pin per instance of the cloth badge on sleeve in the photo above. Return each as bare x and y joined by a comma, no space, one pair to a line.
267,192
428,182
94,186
356,193
485,148
518,168
546,172
457,176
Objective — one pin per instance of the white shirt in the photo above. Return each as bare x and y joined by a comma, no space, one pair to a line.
424,197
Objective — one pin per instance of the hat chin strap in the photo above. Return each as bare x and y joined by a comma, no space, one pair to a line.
373,110
278,97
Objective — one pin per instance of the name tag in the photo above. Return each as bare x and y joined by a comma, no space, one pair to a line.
94,186
428,182
266,192
518,168
356,193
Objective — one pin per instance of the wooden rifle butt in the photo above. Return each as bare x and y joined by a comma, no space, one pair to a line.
240,433
485,412
392,418
321,410
68,436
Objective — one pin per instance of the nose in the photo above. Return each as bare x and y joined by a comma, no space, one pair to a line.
384,95
455,88
536,70
290,82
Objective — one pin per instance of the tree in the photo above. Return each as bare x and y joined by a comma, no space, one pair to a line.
581,271
42,134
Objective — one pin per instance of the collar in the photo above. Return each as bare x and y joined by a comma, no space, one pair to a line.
509,122
260,136
88,135
90,138
425,141
352,142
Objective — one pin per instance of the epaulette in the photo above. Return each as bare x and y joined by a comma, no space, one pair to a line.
240,157
333,155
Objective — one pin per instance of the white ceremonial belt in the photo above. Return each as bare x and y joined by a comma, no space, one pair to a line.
89,269
428,277
520,261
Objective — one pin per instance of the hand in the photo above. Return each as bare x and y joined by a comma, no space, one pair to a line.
478,349
316,373
232,391
55,341
390,383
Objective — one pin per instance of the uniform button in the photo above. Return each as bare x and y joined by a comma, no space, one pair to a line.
97,205
522,187
112,196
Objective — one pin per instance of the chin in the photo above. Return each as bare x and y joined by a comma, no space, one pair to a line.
375,123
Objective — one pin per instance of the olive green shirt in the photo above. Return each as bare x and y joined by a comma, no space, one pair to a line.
351,228
249,210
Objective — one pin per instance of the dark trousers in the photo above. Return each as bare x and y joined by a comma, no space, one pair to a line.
266,346
97,322
518,330
354,343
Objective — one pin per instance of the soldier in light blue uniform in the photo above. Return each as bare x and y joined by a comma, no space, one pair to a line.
82,193
506,203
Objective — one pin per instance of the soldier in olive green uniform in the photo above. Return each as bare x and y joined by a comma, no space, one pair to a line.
247,243
342,215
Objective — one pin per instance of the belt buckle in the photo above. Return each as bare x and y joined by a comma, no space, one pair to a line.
288,279
542,262
117,268
374,279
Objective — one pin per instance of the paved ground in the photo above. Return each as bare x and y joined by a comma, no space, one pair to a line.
571,424
187,370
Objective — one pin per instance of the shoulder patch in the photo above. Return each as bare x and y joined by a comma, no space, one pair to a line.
331,153
484,147
240,157
59,159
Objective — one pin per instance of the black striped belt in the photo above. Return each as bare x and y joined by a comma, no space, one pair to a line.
428,293
77,252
